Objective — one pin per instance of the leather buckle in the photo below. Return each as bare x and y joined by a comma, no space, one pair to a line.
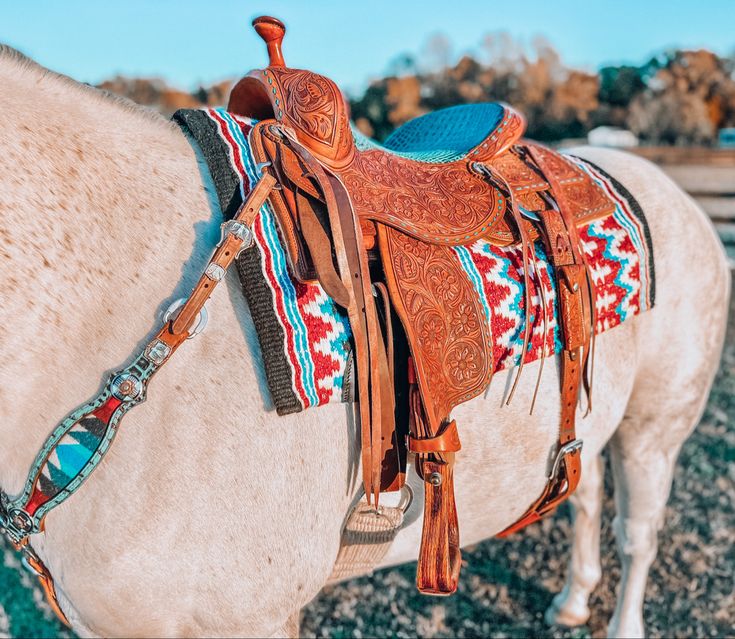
566,449
15,523
447,441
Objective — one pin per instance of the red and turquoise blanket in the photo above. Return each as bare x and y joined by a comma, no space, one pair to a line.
305,336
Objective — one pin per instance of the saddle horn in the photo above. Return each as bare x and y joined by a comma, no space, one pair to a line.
272,30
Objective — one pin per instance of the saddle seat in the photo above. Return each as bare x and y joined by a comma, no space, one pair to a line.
450,134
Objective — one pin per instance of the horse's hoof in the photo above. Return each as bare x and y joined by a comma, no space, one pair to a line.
564,612
630,628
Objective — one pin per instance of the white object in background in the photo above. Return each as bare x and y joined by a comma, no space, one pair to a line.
613,137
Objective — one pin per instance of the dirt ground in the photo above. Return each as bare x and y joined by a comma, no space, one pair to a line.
507,585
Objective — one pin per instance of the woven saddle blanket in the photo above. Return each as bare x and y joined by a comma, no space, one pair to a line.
305,337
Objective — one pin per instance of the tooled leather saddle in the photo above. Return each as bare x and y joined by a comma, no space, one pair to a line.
378,225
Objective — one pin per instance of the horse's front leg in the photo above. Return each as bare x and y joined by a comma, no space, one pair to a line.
569,607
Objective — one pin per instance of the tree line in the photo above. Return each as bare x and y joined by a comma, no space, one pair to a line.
677,98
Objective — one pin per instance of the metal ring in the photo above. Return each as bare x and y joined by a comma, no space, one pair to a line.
27,565
202,316
407,497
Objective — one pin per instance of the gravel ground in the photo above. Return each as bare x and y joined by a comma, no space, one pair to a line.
507,584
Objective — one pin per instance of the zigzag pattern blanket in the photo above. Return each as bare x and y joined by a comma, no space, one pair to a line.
305,336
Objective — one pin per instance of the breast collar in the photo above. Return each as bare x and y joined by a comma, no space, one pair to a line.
78,444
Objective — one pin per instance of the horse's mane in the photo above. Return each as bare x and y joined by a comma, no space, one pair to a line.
21,65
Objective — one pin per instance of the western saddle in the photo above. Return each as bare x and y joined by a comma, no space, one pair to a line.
378,226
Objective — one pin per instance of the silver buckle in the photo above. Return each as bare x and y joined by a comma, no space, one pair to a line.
15,523
202,317
569,447
240,230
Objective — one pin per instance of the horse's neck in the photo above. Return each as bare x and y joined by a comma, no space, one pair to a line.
100,206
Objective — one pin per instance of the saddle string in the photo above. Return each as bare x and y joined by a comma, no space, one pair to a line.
525,246
494,176
522,153
545,327
589,360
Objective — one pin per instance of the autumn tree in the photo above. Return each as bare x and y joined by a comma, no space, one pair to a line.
689,98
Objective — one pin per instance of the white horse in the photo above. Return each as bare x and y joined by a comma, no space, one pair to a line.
213,516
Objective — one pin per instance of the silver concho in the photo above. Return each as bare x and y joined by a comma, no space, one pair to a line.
157,352
21,520
126,387
214,272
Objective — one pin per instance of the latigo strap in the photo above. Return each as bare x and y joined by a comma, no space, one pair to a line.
315,187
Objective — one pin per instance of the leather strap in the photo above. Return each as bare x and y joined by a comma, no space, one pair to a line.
381,467
223,257
567,468
576,304
381,398
447,441
300,205
527,253
440,559
44,577
393,466
47,584
320,249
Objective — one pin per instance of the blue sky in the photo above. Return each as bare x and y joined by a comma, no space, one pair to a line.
189,42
